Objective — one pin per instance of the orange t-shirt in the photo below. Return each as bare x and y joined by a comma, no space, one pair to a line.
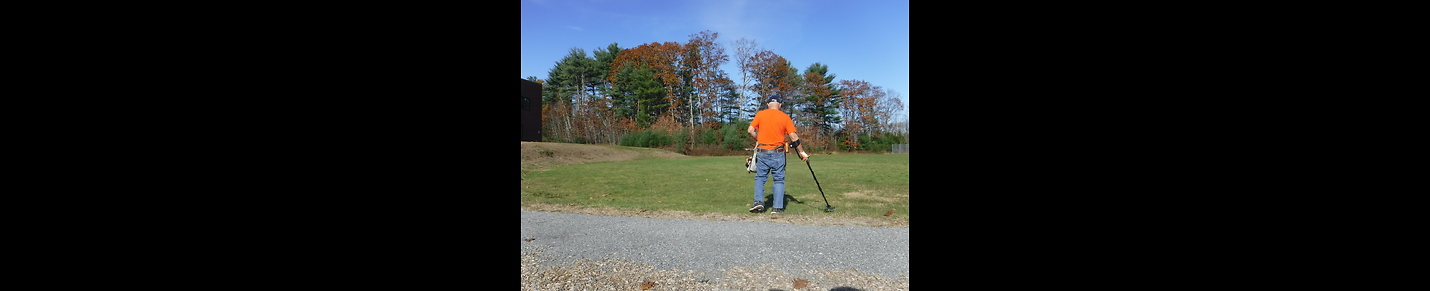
772,126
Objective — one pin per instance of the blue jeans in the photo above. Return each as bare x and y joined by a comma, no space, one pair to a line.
764,163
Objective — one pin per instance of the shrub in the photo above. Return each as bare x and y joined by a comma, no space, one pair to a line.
709,137
661,138
647,139
734,135
635,139
680,139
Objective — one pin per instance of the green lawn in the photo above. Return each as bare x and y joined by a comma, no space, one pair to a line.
866,185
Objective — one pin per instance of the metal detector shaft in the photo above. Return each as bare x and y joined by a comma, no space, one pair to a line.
816,184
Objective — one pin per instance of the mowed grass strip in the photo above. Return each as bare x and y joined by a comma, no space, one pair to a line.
859,185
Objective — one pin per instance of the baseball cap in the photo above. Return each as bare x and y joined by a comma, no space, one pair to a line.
776,98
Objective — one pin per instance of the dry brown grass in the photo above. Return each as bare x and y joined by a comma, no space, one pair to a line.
815,219
871,195
542,155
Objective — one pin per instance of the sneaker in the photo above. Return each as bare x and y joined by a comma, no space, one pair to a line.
777,210
759,206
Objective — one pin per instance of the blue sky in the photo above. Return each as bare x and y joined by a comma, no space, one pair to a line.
858,40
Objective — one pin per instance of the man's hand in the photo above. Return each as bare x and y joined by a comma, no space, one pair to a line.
802,155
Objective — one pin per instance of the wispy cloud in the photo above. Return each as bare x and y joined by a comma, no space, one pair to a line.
766,23
725,17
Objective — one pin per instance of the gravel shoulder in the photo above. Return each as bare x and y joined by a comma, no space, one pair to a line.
569,250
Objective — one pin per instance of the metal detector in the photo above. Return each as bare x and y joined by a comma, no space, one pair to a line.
827,208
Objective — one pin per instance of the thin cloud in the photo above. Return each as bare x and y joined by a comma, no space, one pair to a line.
773,23
726,17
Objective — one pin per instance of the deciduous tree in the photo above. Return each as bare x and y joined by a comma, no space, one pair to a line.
704,56
857,106
662,61
888,109
745,50
771,74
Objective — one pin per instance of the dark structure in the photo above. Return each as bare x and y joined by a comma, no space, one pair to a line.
530,111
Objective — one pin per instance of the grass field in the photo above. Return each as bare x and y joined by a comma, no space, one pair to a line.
862,186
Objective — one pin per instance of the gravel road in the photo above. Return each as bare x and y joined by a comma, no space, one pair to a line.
710,249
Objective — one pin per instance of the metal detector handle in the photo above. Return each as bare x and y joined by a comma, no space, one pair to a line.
790,148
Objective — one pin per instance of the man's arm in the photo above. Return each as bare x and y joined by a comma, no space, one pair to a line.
751,130
795,137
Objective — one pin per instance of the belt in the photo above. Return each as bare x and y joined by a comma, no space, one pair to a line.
780,149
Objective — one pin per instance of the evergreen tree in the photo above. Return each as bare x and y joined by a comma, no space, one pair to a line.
820,102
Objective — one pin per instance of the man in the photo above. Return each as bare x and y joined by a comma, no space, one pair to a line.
770,127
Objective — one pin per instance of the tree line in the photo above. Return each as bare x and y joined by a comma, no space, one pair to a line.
676,96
